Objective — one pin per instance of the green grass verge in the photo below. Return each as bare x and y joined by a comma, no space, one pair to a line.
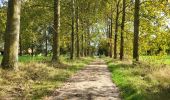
36,78
156,59
142,81
28,58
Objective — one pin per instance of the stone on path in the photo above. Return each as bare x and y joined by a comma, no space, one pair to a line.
92,83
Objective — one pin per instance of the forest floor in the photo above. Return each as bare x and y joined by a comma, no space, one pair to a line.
91,83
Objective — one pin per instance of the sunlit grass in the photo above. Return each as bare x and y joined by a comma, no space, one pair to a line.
36,78
28,58
156,59
141,81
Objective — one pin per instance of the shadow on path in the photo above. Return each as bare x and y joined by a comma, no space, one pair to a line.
91,83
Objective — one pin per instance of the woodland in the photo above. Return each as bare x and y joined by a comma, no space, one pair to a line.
44,42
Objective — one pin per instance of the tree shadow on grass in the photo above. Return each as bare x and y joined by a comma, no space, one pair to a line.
163,94
62,76
113,67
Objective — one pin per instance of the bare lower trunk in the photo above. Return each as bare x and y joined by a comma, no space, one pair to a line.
108,36
20,45
136,31
32,49
88,42
46,46
82,42
82,45
10,57
56,37
72,33
116,30
111,33
122,31
85,44
77,32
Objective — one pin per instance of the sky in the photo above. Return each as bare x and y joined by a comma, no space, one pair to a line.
1,2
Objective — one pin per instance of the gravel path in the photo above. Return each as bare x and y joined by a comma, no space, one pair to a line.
91,83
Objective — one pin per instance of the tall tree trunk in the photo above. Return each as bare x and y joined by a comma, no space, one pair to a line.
88,41
10,57
136,31
72,33
86,44
77,32
32,48
56,36
111,32
116,29
108,35
82,45
20,45
122,31
46,44
82,41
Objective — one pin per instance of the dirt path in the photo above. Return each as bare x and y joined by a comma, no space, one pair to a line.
92,83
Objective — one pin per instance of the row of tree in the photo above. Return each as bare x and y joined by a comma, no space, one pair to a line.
153,23
83,28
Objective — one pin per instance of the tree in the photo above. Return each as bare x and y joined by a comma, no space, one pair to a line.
77,31
82,43
136,31
111,31
116,28
72,33
56,36
122,31
10,57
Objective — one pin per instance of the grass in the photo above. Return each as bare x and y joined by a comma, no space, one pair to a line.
37,78
156,59
141,81
28,58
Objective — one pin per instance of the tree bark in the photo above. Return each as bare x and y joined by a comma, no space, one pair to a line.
88,41
111,33
82,45
86,44
82,41
10,57
136,31
108,35
56,36
46,44
122,31
116,29
32,48
20,45
77,32
72,33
